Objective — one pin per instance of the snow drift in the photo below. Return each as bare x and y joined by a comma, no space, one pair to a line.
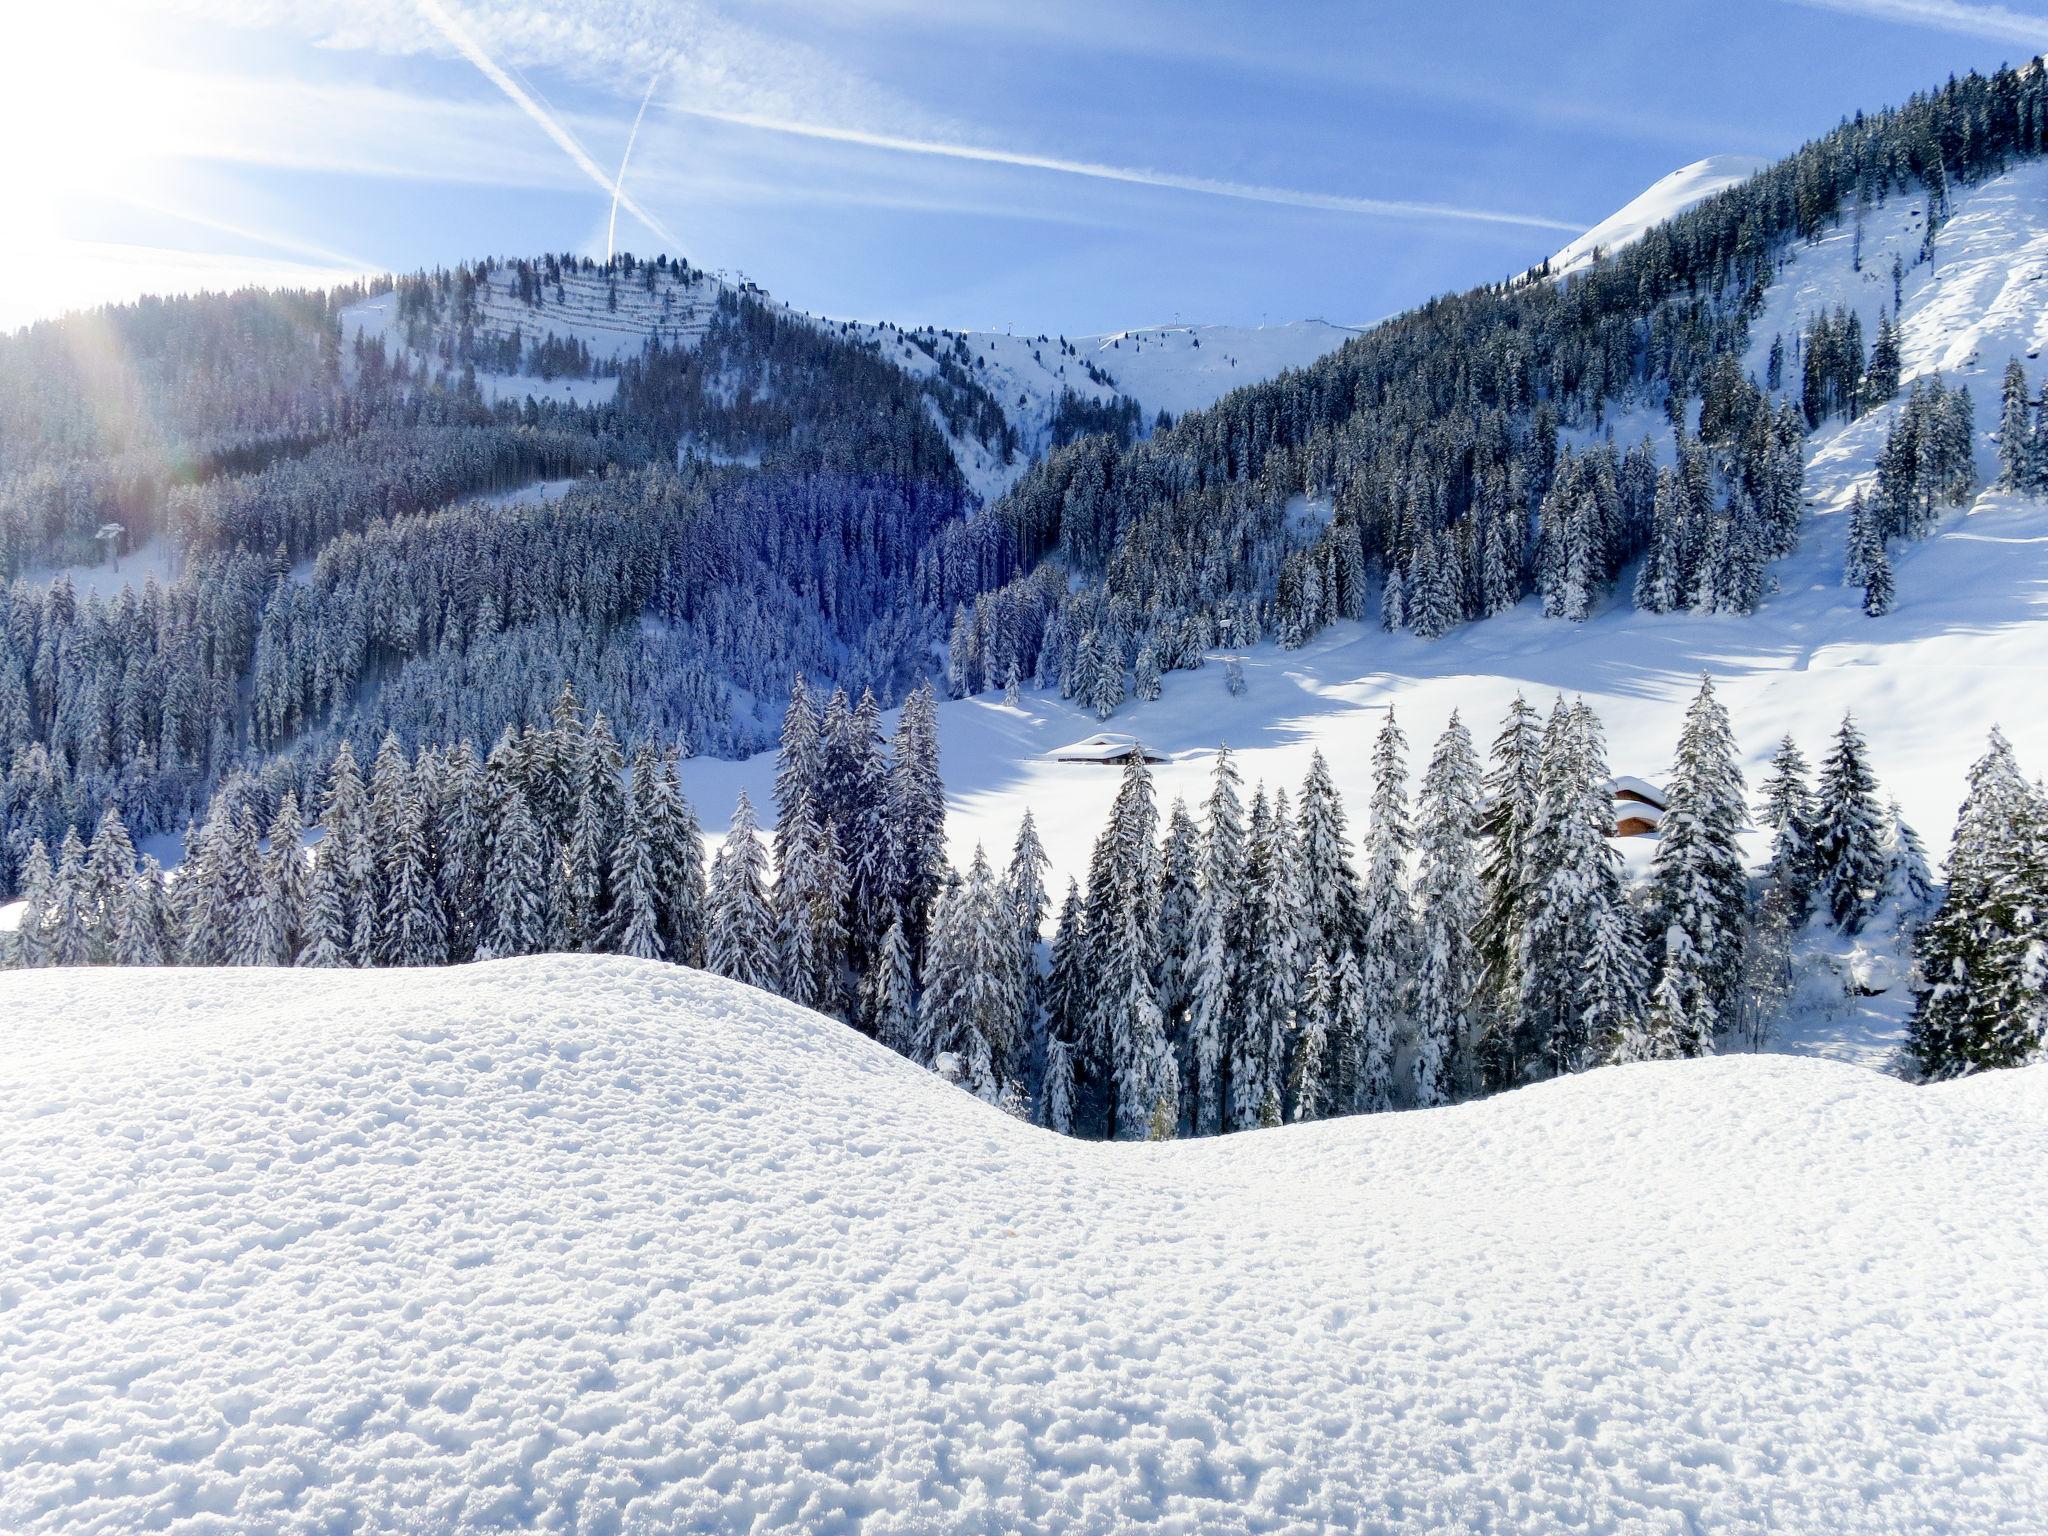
601,1245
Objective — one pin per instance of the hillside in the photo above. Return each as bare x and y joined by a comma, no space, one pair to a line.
601,1245
1172,368
1656,204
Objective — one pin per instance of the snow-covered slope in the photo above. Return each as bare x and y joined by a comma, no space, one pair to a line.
1661,200
599,1245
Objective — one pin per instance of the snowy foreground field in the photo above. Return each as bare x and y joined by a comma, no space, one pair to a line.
599,1245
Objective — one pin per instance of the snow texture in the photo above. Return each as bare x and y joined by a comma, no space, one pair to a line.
601,1245
1659,202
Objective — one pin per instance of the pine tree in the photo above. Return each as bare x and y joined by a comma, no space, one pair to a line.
1975,953
109,874
1788,813
459,825
1908,881
70,914
634,926
1306,1085
740,943
1449,900
1848,837
1213,952
417,930
276,934
1387,948
1697,880
1267,977
1878,592
516,876
2016,451
1508,875
917,816
323,921
889,1000
809,906
344,812
1067,1000
1611,981
144,933
31,943
678,865
1579,889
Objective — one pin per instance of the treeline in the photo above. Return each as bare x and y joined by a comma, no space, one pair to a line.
550,843
1219,969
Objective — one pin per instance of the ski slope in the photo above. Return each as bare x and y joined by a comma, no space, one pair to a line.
1661,201
600,1245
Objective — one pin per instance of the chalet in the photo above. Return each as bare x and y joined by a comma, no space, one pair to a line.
1639,806
1104,747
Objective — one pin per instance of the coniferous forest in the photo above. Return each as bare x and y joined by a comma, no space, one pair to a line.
1244,962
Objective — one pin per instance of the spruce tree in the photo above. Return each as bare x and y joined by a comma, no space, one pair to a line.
1214,950
1848,832
1387,948
1787,812
740,943
1448,897
888,997
31,943
1508,874
917,815
1697,880
1963,1015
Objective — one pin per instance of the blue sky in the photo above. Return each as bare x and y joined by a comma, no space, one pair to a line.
1035,164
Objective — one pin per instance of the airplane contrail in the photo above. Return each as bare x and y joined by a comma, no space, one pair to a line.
618,186
460,38
1208,186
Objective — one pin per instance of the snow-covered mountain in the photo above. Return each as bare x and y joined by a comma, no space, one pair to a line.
591,1244
1662,200
1169,368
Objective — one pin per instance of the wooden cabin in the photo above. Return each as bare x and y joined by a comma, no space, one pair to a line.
1639,806
1105,747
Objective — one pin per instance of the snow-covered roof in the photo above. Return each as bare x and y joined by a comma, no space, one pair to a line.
1635,810
1628,784
1102,747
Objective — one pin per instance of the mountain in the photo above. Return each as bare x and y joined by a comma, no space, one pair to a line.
1174,368
1660,202
599,1244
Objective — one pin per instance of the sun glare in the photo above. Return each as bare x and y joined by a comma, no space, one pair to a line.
89,120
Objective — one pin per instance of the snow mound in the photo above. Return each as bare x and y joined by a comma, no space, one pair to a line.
602,1245
1661,200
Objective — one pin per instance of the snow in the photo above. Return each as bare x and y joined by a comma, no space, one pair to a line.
597,1244
152,557
1659,202
1102,747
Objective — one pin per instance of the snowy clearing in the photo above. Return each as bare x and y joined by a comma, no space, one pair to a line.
1656,204
602,1245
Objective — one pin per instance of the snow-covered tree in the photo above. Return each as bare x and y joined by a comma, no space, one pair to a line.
1848,832
1697,880
1449,900
740,942
1387,947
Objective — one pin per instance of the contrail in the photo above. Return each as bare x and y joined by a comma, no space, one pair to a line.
612,230
1995,22
459,37
1246,191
